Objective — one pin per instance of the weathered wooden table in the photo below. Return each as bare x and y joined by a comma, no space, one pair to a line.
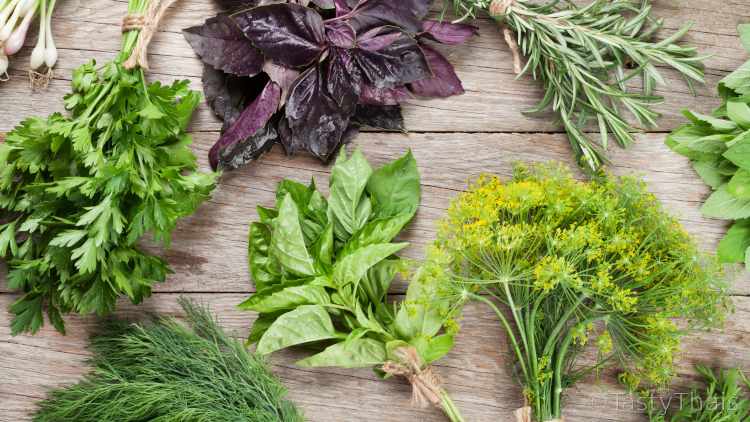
453,141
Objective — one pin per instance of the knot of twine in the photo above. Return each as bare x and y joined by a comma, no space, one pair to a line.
147,24
524,415
424,382
498,9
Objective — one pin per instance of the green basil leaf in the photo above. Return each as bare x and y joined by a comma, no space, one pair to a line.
354,266
395,187
739,112
345,205
381,230
718,125
356,353
737,82
437,347
323,248
264,268
739,184
734,244
287,298
744,31
687,141
721,204
739,152
300,193
261,325
288,242
378,279
710,173
266,214
306,324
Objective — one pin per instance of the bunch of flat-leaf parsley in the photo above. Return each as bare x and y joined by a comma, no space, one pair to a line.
78,192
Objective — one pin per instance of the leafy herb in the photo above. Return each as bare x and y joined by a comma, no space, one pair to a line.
168,372
578,263
723,399
307,77
322,269
719,147
77,193
585,56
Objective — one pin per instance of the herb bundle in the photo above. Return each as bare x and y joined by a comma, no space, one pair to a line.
322,269
719,147
576,263
78,192
169,372
16,17
308,77
585,57
721,400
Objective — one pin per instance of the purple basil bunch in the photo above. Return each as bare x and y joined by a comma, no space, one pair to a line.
310,76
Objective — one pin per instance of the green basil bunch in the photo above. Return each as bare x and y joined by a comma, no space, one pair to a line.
323,267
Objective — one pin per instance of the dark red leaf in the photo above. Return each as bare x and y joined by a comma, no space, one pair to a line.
324,4
380,117
444,83
405,14
252,119
228,95
378,38
343,7
290,34
249,149
314,121
399,63
340,34
283,76
344,78
370,95
448,33
221,44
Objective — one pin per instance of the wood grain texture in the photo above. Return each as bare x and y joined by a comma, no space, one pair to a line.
453,140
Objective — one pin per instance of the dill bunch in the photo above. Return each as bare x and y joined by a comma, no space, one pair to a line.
578,264
585,57
169,372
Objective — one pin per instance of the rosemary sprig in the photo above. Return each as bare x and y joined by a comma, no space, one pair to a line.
585,56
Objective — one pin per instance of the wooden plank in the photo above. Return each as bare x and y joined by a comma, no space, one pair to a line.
209,254
493,102
477,373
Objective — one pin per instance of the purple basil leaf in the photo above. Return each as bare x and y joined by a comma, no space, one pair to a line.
378,38
369,95
316,123
228,95
343,7
344,78
448,33
252,119
289,34
444,81
399,63
405,14
324,4
249,149
380,117
221,44
340,34
232,5
283,76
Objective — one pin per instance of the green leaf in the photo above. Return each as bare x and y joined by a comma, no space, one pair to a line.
734,245
718,125
288,298
288,242
305,324
739,112
260,326
68,238
356,353
744,31
695,143
395,187
264,268
28,316
437,347
378,279
346,207
721,204
8,240
323,248
152,112
86,256
739,152
710,173
382,230
354,266
739,184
